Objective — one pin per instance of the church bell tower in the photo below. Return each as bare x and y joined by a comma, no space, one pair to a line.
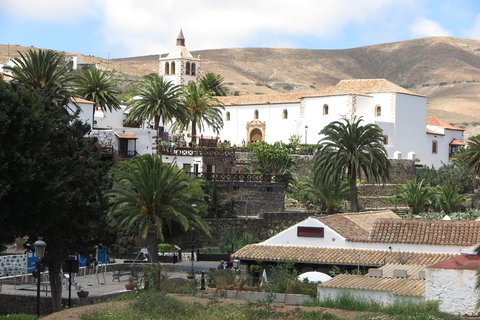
179,66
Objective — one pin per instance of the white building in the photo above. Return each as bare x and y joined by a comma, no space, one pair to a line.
366,239
400,113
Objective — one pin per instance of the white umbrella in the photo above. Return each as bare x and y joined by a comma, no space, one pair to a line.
314,276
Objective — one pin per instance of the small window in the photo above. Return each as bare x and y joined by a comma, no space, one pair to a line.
385,139
172,68
285,114
227,116
315,232
325,109
255,114
187,68
194,70
378,111
434,146
167,69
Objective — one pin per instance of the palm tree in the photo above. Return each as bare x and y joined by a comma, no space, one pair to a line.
471,156
153,198
348,150
156,99
214,83
449,199
46,71
97,86
416,195
202,110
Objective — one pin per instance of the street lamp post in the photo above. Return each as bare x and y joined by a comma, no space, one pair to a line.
194,207
306,130
39,246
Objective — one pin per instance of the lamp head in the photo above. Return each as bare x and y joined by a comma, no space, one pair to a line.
40,246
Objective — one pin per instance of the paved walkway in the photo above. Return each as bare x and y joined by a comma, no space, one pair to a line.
101,283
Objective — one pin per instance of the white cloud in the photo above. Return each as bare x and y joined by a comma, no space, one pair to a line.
427,28
474,33
49,10
151,26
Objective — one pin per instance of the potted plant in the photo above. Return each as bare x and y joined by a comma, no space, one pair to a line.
82,293
132,284
190,274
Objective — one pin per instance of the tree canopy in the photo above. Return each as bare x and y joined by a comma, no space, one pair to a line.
349,150
152,197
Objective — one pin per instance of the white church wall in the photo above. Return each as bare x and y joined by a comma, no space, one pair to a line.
85,114
410,121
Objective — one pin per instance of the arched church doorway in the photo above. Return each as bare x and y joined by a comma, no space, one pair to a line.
256,135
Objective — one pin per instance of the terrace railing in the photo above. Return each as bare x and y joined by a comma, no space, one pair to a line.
204,152
244,177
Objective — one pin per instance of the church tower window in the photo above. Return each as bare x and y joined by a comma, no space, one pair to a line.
193,69
378,111
325,109
285,114
227,116
172,68
187,68
255,114
167,69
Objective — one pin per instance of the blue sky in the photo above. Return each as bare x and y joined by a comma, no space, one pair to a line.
122,28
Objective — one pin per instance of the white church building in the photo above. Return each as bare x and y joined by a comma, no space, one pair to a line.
400,113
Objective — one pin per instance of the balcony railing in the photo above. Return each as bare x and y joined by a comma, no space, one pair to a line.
204,152
127,154
245,177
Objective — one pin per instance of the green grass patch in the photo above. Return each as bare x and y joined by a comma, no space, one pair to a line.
18,317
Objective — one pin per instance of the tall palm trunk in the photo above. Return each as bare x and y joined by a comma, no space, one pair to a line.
93,115
194,132
152,245
353,194
55,285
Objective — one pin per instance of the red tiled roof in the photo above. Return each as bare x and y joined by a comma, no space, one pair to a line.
456,142
460,262
336,256
400,287
431,232
126,135
430,131
437,122
80,100
355,226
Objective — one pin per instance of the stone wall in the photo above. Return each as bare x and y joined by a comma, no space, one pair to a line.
252,198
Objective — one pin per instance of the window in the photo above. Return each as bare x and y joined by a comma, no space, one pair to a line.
187,167
385,139
167,69
193,69
227,116
434,146
325,109
255,114
187,68
316,232
285,113
378,111
172,68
